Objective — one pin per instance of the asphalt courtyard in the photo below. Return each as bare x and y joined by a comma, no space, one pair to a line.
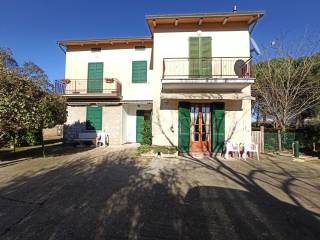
112,194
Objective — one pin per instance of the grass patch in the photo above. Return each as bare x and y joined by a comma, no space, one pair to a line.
7,154
52,148
142,149
164,149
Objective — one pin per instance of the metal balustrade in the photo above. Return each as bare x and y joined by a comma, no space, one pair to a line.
106,86
207,68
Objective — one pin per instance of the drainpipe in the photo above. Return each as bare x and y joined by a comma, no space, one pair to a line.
253,26
62,49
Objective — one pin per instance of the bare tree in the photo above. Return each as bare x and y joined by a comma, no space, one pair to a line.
285,86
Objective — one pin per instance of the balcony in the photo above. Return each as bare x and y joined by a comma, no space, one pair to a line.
84,88
217,72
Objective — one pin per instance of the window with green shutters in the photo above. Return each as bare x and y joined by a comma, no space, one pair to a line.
218,127
200,57
94,118
139,71
194,57
184,127
95,77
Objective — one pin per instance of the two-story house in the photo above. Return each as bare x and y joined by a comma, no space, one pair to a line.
192,77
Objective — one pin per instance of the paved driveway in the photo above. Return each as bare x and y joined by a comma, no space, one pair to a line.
108,194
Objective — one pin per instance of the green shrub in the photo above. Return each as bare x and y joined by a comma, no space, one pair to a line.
311,134
31,138
147,133
306,136
23,138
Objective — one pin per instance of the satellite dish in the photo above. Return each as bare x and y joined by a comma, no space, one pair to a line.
255,47
240,68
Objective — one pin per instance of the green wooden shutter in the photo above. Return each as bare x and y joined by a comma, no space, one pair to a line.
139,125
139,71
95,78
194,57
184,127
205,56
218,127
94,118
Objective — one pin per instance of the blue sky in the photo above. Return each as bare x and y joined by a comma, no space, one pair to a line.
31,28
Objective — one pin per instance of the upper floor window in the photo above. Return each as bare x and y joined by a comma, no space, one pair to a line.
96,49
140,48
139,71
95,77
200,56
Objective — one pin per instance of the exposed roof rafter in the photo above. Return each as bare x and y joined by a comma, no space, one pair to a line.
252,19
225,21
214,19
154,23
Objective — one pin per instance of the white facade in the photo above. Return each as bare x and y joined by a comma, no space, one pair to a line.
117,64
224,44
169,40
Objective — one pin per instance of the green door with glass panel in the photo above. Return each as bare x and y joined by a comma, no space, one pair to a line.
94,118
143,116
200,57
95,78
218,127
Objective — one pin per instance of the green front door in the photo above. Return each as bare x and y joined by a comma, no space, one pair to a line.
200,57
218,127
143,116
95,78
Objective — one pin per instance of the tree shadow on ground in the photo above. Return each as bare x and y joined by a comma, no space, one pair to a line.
256,213
25,153
310,152
116,197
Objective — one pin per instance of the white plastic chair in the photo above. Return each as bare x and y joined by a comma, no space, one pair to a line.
102,138
231,148
250,147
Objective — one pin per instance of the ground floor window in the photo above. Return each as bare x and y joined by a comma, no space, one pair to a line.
94,118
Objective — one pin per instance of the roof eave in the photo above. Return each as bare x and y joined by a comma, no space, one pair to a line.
66,43
221,14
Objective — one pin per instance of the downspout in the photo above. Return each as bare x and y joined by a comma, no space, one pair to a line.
253,26
62,49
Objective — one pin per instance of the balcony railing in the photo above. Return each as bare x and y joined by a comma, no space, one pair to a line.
108,87
206,68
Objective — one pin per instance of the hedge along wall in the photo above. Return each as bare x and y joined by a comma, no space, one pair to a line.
306,137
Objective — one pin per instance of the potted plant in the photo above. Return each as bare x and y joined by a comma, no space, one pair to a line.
109,80
66,81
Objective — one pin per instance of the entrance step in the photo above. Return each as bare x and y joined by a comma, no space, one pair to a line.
200,155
